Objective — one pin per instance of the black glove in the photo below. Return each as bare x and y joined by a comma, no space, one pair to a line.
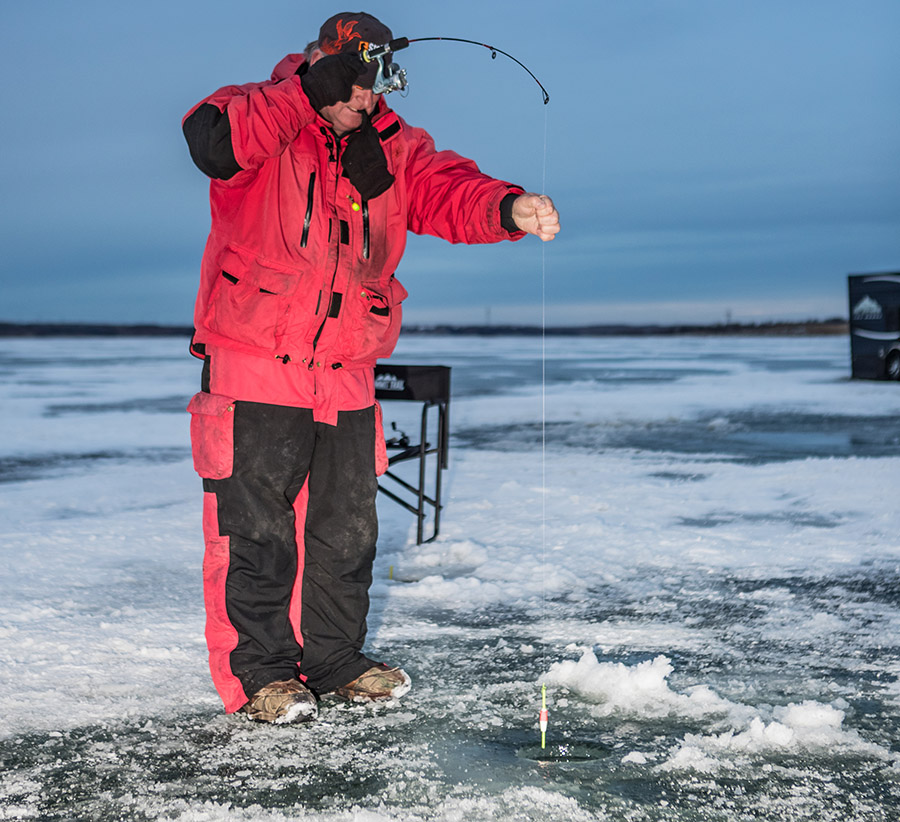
364,161
330,79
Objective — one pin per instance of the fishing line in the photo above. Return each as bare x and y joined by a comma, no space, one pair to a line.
543,721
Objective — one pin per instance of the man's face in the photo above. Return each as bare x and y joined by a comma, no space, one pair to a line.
347,116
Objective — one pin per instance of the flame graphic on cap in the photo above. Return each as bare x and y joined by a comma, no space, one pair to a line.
345,34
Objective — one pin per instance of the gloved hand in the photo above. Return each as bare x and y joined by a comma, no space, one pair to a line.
330,79
365,163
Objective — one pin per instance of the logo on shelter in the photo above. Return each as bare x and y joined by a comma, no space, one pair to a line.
389,382
867,309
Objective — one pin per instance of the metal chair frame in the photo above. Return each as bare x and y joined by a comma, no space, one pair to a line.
430,385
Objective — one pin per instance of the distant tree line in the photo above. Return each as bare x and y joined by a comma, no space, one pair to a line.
834,325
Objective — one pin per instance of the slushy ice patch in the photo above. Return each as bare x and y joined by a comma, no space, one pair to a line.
752,436
643,692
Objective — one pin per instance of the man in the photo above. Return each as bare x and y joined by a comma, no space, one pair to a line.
314,184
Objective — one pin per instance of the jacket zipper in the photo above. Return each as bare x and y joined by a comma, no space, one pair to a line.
333,156
315,342
309,208
365,221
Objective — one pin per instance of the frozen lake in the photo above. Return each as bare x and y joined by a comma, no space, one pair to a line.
697,551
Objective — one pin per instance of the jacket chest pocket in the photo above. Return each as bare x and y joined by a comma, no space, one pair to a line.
372,322
250,300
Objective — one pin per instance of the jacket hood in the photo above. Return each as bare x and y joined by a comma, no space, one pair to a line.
288,66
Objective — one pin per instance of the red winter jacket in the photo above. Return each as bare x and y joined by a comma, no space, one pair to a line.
297,266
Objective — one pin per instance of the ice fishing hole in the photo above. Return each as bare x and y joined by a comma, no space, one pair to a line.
564,752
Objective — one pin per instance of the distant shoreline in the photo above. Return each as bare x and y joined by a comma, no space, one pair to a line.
834,326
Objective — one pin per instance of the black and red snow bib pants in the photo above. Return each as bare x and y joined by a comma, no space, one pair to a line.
290,528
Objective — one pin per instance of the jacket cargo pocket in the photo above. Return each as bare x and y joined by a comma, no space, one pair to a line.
373,321
212,435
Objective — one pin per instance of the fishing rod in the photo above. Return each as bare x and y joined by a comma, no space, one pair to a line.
391,77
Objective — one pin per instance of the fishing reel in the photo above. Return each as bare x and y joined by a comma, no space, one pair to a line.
390,76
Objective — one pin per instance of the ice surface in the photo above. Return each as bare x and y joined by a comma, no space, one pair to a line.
698,553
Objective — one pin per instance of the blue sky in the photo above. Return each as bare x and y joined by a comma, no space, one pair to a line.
707,156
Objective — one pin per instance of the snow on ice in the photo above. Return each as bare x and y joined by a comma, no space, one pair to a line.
702,563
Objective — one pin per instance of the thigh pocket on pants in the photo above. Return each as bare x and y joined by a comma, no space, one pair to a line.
212,435
381,457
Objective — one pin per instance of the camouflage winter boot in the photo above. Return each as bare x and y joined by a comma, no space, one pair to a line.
282,702
378,684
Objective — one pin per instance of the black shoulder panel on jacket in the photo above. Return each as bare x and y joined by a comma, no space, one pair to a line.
389,132
208,135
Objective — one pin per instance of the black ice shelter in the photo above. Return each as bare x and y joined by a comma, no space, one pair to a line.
875,326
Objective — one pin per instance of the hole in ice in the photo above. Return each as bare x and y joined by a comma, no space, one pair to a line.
563,752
